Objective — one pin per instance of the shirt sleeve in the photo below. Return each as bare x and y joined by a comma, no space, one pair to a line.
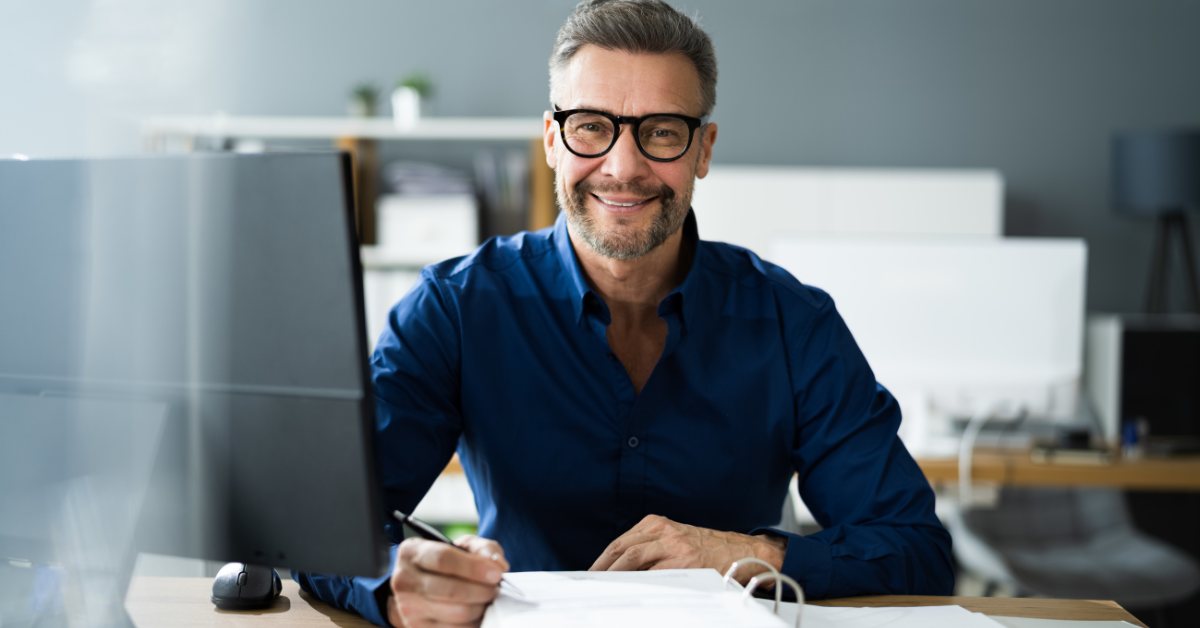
416,372
880,534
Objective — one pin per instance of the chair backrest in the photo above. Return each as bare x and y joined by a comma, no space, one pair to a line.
1033,518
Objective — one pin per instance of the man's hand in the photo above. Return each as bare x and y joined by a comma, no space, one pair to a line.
434,584
659,543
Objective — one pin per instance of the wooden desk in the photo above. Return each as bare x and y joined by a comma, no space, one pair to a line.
184,603
1016,469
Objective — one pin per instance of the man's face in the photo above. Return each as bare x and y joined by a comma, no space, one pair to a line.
623,204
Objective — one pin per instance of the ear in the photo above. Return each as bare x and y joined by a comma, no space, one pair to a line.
549,138
707,138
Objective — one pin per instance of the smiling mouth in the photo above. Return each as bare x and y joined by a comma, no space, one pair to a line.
623,204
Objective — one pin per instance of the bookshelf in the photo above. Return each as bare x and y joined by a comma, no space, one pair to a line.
360,137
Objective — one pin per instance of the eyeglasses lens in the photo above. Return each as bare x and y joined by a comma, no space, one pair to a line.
664,137
588,134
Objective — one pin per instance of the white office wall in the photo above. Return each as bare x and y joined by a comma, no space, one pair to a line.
749,205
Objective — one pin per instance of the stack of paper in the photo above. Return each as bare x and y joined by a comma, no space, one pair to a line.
889,617
671,597
698,598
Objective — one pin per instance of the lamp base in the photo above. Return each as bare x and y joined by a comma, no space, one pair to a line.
1156,297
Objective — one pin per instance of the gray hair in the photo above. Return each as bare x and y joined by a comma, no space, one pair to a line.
641,26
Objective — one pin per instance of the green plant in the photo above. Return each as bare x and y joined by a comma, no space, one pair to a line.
418,81
365,93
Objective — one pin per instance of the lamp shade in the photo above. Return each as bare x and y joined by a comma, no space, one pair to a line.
1156,171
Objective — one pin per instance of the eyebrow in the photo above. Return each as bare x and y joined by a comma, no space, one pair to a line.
678,113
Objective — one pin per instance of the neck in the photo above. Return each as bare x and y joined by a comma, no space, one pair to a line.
635,287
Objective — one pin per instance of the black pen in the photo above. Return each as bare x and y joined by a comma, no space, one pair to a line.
426,531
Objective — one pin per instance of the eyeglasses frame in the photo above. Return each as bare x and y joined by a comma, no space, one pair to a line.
561,116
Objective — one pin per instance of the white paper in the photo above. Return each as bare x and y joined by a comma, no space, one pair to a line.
694,598
1032,622
691,598
885,617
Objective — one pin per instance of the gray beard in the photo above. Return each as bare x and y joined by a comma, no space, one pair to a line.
668,220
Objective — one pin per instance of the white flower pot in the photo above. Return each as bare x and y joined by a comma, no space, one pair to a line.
406,107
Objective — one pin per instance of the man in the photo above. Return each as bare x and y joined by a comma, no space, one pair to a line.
623,395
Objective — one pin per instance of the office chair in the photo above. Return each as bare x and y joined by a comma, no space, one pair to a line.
1080,543
1064,543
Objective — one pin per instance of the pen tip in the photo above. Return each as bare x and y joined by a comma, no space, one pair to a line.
399,515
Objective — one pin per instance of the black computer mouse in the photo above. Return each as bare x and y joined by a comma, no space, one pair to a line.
241,587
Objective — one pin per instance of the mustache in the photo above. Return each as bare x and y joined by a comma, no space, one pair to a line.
663,192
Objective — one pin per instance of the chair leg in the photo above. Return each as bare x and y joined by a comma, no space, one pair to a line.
990,587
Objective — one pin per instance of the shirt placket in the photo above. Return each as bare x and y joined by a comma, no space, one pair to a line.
632,417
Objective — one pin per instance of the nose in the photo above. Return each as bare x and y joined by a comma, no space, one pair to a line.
625,162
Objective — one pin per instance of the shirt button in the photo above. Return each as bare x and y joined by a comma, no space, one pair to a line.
633,442
612,356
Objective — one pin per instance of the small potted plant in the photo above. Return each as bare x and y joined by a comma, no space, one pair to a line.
362,100
406,99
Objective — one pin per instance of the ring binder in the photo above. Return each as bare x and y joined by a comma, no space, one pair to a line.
772,574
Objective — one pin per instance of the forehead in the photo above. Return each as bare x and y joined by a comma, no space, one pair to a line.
630,83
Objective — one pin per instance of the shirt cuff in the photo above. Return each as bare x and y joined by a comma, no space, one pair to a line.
807,560
358,594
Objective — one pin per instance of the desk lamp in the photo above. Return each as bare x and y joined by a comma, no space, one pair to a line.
1158,172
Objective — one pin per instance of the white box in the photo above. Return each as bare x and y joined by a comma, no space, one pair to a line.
751,205
427,227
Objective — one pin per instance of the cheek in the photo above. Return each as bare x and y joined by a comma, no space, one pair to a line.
676,178
573,170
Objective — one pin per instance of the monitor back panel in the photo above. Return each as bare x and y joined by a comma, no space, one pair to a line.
226,288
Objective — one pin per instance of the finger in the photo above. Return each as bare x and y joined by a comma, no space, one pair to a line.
412,580
484,547
639,557
650,523
617,548
418,610
440,558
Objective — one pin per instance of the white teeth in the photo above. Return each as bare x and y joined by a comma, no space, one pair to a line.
608,202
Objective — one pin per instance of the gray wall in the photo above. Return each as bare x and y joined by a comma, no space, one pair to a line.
1030,87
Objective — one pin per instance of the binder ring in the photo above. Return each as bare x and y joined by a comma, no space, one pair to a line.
782,579
738,563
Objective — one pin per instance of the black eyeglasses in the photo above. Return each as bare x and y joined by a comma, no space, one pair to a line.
660,136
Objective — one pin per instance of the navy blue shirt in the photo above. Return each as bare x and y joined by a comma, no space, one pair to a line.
502,356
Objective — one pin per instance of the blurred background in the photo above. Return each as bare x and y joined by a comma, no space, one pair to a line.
1026,93
1032,89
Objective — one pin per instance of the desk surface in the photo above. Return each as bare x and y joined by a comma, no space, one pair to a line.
1017,469
184,603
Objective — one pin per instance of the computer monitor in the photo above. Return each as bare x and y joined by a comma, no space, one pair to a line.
183,366
957,327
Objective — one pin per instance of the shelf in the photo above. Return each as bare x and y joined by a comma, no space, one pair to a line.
377,258
294,127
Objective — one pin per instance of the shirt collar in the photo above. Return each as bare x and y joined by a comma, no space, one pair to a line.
683,299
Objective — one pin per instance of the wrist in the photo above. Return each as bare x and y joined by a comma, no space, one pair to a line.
771,549
383,596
